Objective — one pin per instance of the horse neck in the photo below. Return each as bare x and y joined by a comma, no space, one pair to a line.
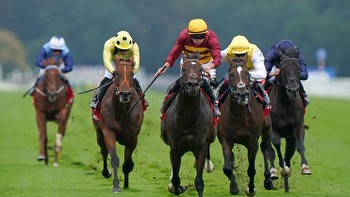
236,109
188,105
280,93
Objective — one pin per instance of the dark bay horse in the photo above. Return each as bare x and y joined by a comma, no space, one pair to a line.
116,124
287,114
50,102
242,121
189,125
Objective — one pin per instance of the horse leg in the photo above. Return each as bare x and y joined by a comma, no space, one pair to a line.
104,152
175,181
109,138
41,123
285,169
128,165
299,140
200,162
272,157
61,121
265,147
290,150
209,166
252,151
228,166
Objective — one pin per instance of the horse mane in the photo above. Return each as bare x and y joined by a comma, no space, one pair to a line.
191,56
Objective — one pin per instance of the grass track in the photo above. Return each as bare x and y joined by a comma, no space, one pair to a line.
79,174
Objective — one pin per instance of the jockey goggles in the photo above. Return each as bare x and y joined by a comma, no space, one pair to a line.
197,36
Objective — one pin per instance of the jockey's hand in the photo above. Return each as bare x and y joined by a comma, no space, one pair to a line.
275,72
162,69
208,67
52,61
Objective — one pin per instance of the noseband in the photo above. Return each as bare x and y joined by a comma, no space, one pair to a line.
241,91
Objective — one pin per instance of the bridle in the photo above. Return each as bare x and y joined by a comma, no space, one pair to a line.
124,88
241,91
52,96
195,79
291,83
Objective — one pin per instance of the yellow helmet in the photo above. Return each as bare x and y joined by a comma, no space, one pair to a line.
123,40
197,26
239,45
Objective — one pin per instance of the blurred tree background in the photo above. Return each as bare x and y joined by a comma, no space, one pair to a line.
154,24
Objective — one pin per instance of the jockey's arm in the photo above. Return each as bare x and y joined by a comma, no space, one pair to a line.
136,53
108,50
258,73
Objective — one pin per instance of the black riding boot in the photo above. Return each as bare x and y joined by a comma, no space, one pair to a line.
266,97
100,93
207,89
139,91
267,84
174,87
303,93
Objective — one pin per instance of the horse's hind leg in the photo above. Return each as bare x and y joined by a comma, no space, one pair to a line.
285,168
305,170
265,147
128,165
209,166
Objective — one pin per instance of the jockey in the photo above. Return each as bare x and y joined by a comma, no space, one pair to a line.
253,58
122,46
54,52
193,39
273,61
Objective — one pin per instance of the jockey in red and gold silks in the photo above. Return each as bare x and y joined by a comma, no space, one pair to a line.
193,39
209,49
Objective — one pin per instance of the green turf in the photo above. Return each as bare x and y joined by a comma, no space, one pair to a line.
79,174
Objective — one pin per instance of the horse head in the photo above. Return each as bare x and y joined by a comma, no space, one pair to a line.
191,76
53,83
239,81
289,76
123,79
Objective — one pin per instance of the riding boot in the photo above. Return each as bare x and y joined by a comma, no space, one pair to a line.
303,93
210,92
100,93
140,92
267,84
266,97
174,87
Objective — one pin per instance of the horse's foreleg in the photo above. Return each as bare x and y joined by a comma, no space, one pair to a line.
109,138
41,123
128,165
299,140
228,166
252,151
175,182
104,152
200,162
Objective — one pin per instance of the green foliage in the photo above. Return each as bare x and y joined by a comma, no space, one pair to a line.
79,174
87,24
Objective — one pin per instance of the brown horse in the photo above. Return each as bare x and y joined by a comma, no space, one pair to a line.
188,125
50,102
287,114
242,121
116,124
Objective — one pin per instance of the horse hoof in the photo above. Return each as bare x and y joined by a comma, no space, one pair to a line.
268,184
116,190
209,166
234,189
305,170
248,193
41,158
55,164
286,172
106,173
171,189
274,175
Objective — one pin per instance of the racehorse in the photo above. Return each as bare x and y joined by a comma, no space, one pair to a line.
287,115
189,125
242,121
51,104
116,124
